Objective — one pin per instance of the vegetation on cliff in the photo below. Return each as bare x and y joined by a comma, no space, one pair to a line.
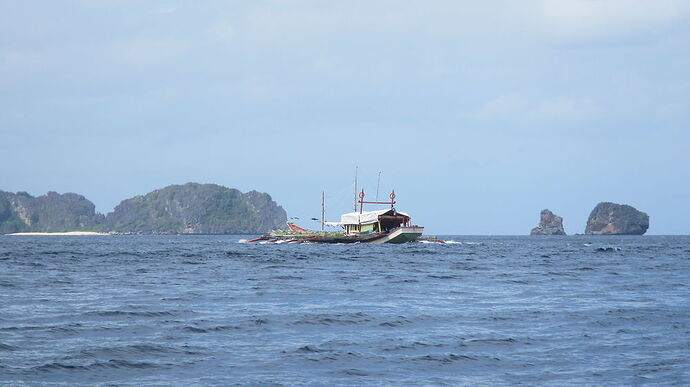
197,209
53,212
616,219
177,209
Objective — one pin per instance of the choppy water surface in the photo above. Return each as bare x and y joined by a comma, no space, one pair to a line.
206,310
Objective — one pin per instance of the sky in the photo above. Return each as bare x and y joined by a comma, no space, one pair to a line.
478,114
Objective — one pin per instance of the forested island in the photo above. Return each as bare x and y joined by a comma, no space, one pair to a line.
191,208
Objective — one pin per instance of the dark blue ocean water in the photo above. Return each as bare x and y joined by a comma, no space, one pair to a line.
207,310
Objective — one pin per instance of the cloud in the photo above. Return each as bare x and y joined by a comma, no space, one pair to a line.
223,30
163,10
582,21
16,65
565,108
521,108
504,105
145,52
474,26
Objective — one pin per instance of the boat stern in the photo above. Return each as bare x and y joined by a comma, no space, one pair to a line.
402,234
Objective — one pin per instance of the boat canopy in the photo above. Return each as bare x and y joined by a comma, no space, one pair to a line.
368,217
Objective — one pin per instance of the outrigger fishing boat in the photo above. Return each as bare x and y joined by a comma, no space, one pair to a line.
380,226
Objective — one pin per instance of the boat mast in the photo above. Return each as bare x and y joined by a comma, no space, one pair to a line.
323,208
361,201
378,183
357,167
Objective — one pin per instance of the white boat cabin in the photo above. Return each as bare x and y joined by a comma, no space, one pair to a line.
373,221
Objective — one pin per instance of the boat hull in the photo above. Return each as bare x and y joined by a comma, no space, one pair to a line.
399,235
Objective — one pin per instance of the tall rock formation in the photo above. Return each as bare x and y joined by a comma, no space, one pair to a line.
616,219
177,209
549,224
197,209
52,212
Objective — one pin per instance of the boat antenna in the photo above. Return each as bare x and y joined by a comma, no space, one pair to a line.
378,183
357,167
323,209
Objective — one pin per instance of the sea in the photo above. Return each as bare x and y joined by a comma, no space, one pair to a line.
207,310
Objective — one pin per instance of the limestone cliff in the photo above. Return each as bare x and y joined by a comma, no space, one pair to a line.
197,209
177,209
52,212
616,219
549,224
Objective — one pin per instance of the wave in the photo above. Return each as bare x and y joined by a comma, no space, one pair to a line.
607,249
7,347
117,313
195,329
112,364
311,349
452,242
446,359
334,319
395,323
508,341
287,277
449,242
355,372
137,350
219,328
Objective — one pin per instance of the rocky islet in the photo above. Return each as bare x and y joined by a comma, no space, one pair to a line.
549,224
616,219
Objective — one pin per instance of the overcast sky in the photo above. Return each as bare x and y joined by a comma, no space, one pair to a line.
479,114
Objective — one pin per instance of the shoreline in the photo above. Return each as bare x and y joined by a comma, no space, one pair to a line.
68,233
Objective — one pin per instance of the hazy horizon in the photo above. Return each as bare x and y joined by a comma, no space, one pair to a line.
479,115
309,222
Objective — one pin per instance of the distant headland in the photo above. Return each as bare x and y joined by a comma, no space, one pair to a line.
195,208
190,208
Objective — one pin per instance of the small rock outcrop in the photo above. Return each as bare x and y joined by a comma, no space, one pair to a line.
616,219
549,224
